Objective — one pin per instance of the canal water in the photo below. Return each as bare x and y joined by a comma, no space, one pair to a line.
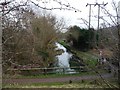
63,60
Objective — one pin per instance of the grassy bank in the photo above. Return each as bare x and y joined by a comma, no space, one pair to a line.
88,57
80,84
52,75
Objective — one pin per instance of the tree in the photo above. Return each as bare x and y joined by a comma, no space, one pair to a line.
29,39
81,37
111,33
45,36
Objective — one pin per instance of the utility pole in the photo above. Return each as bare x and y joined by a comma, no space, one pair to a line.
89,13
96,4
90,5
99,5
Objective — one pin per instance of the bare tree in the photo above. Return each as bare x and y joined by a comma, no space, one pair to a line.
29,38
110,36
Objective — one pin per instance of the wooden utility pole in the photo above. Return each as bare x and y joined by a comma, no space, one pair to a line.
90,5
99,5
96,4
89,13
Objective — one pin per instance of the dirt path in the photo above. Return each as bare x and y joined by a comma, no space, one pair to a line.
59,79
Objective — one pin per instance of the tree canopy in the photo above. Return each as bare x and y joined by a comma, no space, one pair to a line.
82,38
29,40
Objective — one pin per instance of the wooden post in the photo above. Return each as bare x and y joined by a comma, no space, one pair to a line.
45,72
63,70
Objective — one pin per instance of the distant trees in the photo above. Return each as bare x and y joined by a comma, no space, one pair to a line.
82,38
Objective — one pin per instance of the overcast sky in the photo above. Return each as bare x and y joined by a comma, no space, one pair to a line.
73,18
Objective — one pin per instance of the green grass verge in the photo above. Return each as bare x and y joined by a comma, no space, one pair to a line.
79,84
51,75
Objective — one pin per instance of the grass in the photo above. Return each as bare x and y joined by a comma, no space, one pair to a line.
53,86
54,75
80,84
51,75
88,58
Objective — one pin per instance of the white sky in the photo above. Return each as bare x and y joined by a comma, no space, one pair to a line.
73,18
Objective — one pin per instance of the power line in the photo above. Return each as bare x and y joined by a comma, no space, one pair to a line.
96,4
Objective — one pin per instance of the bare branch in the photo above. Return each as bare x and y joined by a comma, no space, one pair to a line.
67,7
109,15
14,8
7,39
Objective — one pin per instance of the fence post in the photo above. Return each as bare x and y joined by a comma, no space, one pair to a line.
45,71
63,70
